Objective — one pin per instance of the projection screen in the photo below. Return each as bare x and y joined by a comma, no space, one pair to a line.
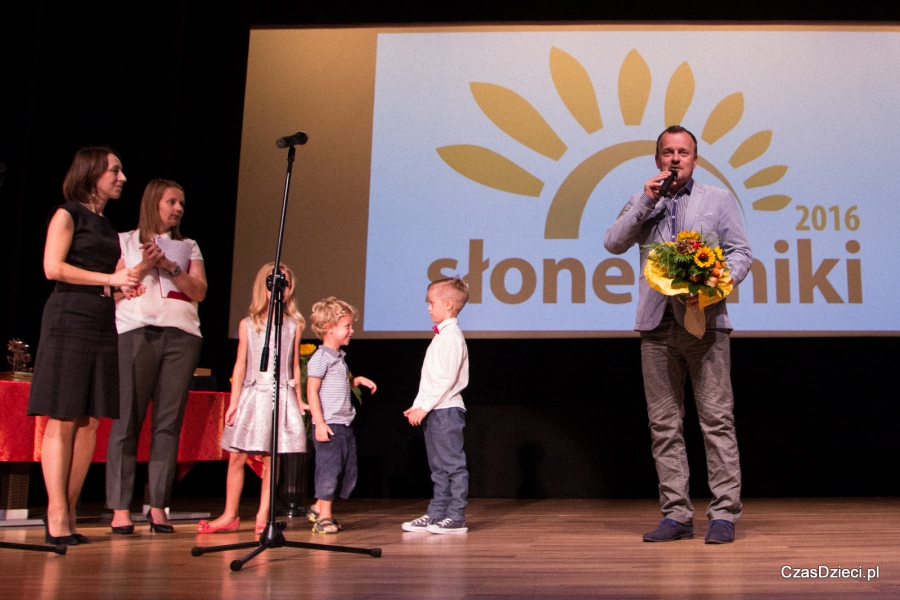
503,153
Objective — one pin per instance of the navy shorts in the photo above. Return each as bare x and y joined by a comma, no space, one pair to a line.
336,464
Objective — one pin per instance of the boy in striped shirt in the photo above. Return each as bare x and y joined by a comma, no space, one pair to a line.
328,393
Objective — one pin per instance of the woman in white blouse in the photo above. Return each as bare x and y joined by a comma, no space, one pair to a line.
159,348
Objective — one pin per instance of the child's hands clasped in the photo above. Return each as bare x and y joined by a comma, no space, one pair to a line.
415,416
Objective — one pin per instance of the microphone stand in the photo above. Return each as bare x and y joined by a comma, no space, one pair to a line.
34,547
272,536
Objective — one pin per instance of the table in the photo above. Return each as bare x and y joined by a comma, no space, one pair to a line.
21,436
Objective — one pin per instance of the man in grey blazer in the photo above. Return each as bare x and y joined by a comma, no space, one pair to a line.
669,353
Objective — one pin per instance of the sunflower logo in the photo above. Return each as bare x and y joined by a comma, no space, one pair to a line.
518,118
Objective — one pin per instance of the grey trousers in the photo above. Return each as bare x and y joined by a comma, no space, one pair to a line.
668,354
447,460
157,363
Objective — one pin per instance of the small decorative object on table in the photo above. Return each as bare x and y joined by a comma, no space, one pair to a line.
19,357
690,265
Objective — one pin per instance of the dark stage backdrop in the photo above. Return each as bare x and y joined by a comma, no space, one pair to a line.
164,84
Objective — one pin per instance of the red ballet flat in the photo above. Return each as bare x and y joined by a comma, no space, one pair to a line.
204,527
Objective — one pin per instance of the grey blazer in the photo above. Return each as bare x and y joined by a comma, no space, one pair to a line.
710,210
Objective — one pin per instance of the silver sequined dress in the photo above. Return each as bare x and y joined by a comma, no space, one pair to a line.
252,427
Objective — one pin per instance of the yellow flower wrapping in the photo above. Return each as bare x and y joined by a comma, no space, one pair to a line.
659,281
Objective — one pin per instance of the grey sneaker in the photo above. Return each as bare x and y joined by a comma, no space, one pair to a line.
447,526
419,524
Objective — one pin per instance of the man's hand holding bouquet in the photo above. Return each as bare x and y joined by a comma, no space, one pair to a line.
690,265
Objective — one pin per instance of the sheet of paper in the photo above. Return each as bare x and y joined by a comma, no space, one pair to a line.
180,252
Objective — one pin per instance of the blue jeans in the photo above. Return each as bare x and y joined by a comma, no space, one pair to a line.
447,459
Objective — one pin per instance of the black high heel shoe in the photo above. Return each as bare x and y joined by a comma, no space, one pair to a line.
122,529
158,527
62,540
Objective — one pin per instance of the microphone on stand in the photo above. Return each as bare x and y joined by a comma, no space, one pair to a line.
298,139
667,183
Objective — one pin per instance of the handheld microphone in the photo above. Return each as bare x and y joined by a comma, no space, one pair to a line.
667,183
298,139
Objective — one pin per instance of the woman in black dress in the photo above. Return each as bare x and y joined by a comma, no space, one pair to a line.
76,376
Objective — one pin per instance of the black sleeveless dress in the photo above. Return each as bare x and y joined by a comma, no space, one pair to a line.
76,371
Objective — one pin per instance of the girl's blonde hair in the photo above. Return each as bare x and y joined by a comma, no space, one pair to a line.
259,305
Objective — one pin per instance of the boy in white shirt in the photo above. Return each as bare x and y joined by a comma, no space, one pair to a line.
439,408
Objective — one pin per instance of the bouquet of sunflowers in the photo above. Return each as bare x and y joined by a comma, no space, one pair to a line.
689,265
306,352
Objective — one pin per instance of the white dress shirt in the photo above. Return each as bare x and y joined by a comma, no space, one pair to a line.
445,372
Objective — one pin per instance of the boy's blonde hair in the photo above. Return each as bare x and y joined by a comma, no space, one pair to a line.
259,304
328,312
453,288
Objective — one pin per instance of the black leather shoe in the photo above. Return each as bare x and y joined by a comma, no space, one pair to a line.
158,527
670,530
720,532
122,529
62,540
81,539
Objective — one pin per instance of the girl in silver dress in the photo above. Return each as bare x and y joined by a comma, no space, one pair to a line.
248,421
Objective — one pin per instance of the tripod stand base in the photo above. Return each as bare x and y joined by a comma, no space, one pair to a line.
34,547
272,537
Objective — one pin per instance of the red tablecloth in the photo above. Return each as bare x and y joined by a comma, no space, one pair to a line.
20,436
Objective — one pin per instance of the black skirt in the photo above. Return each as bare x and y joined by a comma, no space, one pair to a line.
76,371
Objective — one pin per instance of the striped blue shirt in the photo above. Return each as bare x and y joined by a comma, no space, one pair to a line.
329,366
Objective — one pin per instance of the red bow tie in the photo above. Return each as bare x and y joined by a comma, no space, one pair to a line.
435,329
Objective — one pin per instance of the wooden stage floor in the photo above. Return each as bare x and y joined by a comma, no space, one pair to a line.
537,549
